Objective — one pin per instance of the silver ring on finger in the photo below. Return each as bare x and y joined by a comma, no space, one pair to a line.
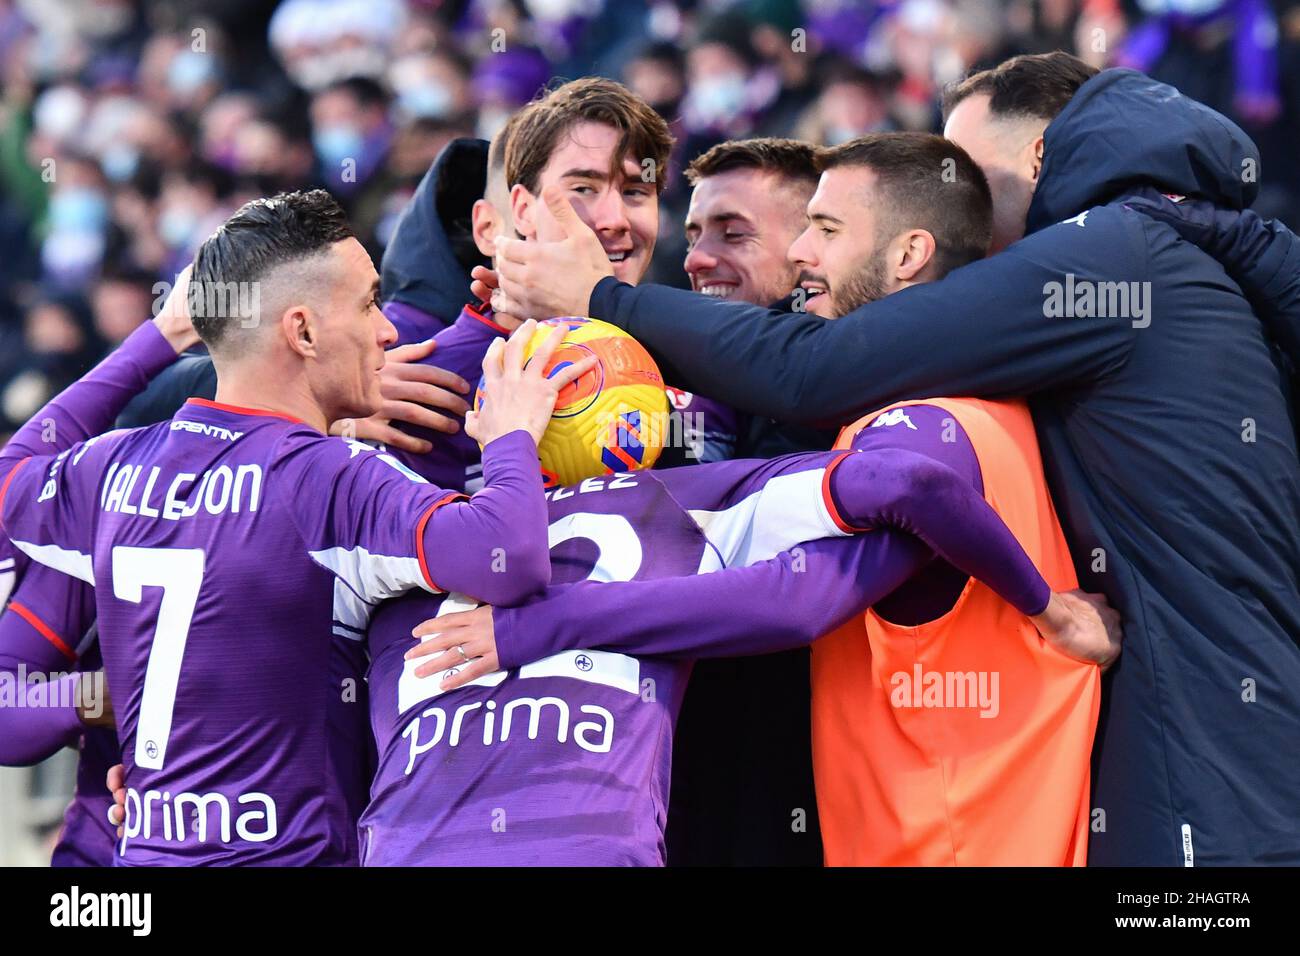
463,656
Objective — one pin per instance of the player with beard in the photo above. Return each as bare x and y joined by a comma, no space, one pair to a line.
579,790
883,219
866,239
1120,403
899,782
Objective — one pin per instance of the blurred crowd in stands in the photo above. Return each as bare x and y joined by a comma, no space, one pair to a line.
129,129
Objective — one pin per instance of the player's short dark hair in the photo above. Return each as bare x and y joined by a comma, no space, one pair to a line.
1030,86
926,182
790,158
262,235
541,125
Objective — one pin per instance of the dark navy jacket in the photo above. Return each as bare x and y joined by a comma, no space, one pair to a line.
427,261
1166,435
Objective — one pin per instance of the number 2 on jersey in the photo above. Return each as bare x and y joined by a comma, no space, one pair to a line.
179,572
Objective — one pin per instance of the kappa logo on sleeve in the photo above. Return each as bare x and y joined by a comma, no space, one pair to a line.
895,416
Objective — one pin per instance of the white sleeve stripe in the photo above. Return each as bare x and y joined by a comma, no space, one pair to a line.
344,583
373,577
74,563
362,580
785,511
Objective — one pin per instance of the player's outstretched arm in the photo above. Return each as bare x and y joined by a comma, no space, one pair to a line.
716,614
912,492
981,330
807,591
43,717
90,405
915,493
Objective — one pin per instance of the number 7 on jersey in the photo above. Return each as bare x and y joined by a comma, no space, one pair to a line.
179,572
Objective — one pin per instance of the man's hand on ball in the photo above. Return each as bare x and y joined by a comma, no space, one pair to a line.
411,390
464,642
541,280
517,393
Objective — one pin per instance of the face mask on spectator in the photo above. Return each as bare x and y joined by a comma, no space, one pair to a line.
355,61
835,135
490,122
189,71
224,154
718,99
59,112
70,259
334,144
427,101
78,209
1188,8
120,161
176,226
559,10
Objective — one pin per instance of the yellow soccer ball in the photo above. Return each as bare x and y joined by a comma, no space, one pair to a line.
613,418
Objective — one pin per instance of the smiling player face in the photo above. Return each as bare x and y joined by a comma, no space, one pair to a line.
739,227
840,256
622,210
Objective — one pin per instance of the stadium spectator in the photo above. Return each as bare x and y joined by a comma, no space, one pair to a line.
121,299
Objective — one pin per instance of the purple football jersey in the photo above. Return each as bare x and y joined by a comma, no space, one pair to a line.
48,627
412,324
563,756
48,630
566,760
10,560
455,461
701,430
234,552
